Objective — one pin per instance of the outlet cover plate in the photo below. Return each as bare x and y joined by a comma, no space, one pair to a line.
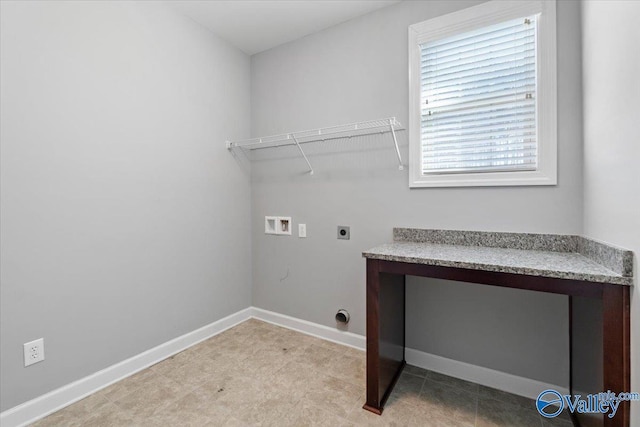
33,352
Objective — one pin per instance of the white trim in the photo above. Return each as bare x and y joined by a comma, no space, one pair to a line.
33,410
468,19
55,400
484,376
314,329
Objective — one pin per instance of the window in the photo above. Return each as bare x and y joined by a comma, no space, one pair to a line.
483,97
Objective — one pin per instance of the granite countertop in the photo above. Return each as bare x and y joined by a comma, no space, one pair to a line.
546,255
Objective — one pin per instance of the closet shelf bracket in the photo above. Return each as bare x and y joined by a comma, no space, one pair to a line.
392,121
302,152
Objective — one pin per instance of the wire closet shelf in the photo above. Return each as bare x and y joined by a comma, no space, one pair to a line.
380,126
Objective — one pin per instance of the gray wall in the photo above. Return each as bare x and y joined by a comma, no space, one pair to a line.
358,71
611,138
124,219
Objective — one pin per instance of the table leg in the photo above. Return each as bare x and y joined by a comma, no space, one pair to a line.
385,334
373,338
616,348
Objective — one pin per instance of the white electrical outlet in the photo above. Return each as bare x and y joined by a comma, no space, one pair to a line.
302,230
34,352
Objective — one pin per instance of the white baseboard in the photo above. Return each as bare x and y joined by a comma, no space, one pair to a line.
55,400
314,329
484,376
477,374
33,410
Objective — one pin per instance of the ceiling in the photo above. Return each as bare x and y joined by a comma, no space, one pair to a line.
257,25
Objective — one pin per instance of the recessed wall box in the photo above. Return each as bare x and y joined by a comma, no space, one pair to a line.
270,225
284,225
344,233
277,225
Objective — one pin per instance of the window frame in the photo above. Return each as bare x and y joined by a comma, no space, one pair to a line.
484,15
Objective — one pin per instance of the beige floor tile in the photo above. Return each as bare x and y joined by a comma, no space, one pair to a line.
258,374
274,408
423,414
554,422
295,379
207,347
453,382
128,385
314,414
362,417
407,389
354,352
212,388
185,357
562,420
230,344
240,396
222,363
165,418
262,337
319,357
234,422
399,413
75,414
335,395
414,370
193,409
289,346
108,416
154,397
492,393
297,337
261,366
338,348
494,413
348,368
252,324
239,332
193,374
441,401
62,418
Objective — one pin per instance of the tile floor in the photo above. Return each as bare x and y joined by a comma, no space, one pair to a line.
258,374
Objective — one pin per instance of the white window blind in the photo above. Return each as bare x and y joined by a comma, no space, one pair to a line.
478,100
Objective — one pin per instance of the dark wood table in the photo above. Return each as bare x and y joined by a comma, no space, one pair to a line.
386,323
